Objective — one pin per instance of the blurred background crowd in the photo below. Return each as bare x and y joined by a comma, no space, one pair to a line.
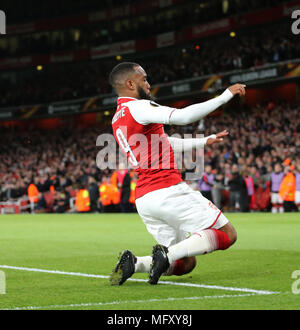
51,54
243,50
239,174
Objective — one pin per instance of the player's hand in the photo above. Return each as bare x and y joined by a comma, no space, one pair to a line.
219,138
237,89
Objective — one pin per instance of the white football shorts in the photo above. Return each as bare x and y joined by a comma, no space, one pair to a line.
174,213
276,199
297,197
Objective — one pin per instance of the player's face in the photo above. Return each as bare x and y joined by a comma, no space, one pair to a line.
143,87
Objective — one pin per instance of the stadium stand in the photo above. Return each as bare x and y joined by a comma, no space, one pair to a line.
63,160
63,53
86,79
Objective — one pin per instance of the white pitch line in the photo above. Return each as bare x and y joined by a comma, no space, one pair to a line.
131,302
204,286
59,272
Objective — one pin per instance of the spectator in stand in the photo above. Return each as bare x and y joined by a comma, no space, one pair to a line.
61,200
261,195
82,202
41,205
297,177
8,190
33,193
238,191
206,183
93,193
121,180
125,193
109,193
217,189
250,189
287,189
276,178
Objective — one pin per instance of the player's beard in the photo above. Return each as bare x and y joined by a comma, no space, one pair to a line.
143,95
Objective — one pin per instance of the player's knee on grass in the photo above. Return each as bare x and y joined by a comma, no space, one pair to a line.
232,236
182,266
189,264
231,232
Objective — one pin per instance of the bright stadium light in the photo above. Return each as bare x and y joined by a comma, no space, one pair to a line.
225,6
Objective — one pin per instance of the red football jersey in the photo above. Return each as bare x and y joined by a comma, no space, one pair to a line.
146,145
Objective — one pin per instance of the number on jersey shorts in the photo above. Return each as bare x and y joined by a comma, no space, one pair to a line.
172,214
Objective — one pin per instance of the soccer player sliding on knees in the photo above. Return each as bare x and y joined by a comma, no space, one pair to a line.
183,222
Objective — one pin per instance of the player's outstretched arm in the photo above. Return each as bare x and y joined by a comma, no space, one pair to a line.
197,111
218,138
179,145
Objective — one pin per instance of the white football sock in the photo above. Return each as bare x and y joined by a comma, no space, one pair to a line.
200,243
142,264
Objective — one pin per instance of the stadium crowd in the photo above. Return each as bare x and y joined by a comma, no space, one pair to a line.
246,50
257,167
243,171
148,22
216,55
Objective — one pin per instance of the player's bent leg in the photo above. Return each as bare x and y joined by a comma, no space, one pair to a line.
189,264
230,231
181,266
161,265
206,241
202,242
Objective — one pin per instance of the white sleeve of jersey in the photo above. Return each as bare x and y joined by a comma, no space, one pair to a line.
197,111
179,145
147,112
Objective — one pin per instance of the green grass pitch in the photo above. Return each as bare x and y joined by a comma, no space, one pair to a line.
255,273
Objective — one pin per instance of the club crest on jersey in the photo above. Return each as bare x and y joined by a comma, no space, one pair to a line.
154,104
